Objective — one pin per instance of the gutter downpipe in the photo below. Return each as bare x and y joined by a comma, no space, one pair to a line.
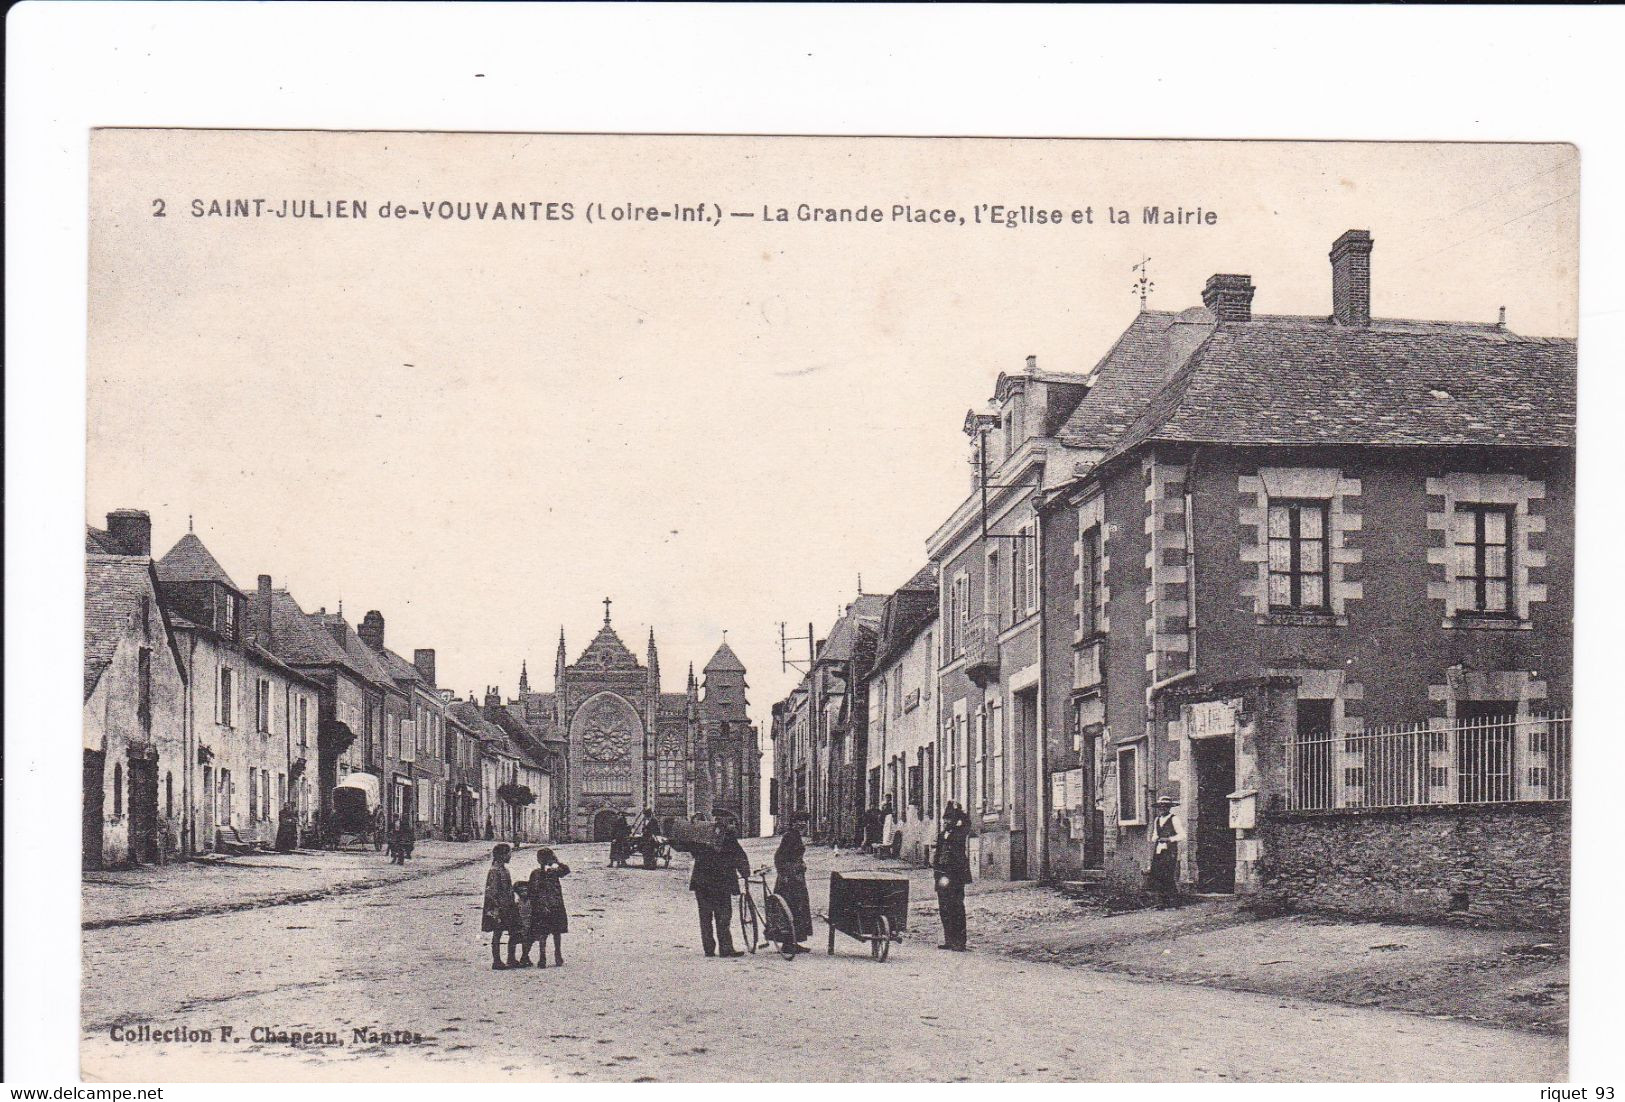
1041,752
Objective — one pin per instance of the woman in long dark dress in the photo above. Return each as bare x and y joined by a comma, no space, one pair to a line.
790,863
548,915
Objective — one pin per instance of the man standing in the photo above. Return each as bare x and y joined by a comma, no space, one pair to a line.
1166,834
951,865
718,866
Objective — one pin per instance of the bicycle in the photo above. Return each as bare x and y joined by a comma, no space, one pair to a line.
780,924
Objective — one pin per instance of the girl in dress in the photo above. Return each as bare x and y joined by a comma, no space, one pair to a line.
547,912
501,910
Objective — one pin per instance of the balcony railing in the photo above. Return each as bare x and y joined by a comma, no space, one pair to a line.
982,648
1496,760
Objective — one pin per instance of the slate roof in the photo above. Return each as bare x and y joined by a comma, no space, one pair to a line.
357,655
1126,378
725,661
99,542
190,561
907,613
1281,380
114,586
299,638
865,610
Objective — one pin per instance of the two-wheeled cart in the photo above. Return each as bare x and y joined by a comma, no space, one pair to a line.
871,907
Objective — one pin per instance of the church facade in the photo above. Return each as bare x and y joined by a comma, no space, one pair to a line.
626,745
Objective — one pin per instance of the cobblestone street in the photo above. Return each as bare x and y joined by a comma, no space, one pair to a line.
637,1001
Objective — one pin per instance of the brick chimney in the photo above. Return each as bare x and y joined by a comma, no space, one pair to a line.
372,629
131,529
1229,297
423,659
264,618
1351,278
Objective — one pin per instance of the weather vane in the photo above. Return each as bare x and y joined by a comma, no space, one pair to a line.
1143,286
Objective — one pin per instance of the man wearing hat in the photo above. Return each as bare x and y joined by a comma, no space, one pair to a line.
1167,832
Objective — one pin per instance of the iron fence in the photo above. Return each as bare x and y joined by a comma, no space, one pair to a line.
1493,759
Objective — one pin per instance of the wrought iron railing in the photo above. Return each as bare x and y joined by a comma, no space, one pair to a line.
1499,759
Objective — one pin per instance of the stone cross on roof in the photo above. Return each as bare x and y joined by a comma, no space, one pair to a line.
606,610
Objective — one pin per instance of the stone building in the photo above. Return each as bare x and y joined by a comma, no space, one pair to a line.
1315,580
820,730
902,720
252,718
986,556
134,712
622,744
349,696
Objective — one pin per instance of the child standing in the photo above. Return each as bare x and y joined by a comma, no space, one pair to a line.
547,911
501,910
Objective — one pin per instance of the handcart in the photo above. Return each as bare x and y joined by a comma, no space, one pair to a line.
871,907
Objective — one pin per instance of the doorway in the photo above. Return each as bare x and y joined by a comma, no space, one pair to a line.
95,811
603,826
1215,842
143,784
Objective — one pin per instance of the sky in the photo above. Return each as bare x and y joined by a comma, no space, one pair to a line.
484,428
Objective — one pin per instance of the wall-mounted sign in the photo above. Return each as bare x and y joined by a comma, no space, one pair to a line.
1211,719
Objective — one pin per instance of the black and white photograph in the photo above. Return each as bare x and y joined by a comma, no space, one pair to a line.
512,552
590,606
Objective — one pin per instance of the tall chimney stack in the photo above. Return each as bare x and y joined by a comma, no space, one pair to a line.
265,610
371,630
423,659
1351,279
1229,297
131,529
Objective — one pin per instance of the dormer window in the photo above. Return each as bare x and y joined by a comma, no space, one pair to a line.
228,617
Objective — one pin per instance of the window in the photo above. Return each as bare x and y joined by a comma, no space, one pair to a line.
1297,555
990,589
1483,538
228,617
169,794
265,793
1313,749
1028,545
304,719
962,600
262,705
1129,811
143,698
995,795
1091,584
118,790
930,781
253,797
227,709
984,756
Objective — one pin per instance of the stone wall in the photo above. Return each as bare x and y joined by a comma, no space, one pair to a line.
1505,864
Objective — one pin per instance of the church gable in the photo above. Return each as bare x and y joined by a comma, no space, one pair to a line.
606,652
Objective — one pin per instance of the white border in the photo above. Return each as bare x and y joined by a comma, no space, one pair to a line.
1353,72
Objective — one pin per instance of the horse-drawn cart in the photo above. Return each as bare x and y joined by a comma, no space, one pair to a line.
871,907
357,813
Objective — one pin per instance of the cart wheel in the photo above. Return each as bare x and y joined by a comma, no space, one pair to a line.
880,943
750,924
780,921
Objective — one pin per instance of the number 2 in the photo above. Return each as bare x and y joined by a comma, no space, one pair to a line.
158,208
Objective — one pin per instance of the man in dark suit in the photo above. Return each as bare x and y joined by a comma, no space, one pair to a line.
718,867
951,865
